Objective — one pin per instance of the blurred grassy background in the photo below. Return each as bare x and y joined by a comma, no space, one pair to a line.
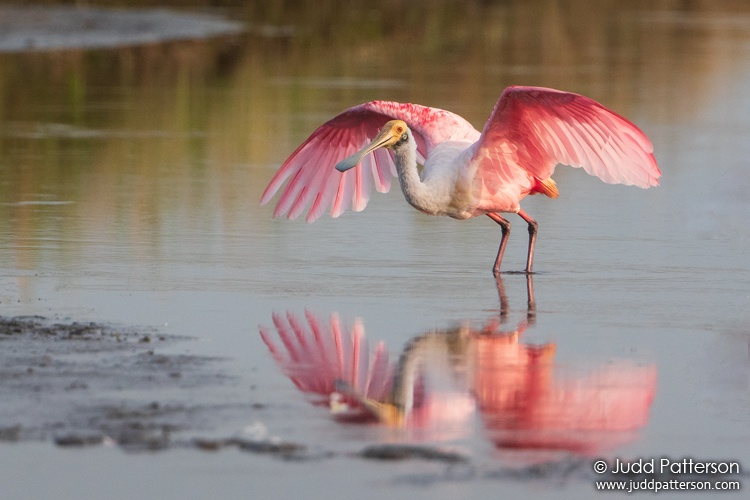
146,133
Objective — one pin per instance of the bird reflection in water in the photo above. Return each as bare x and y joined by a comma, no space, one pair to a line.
444,377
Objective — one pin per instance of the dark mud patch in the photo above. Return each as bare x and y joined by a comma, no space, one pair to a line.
412,451
273,447
24,28
83,384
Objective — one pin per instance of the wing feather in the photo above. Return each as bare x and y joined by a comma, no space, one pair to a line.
329,184
312,178
299,179
535,128
386,170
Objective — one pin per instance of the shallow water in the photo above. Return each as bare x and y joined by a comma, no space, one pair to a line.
129,188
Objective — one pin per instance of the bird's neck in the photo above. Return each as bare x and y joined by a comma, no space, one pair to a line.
415,191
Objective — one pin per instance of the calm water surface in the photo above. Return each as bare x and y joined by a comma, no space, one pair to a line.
129,188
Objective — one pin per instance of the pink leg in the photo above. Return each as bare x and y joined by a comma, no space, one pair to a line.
533,226
505,226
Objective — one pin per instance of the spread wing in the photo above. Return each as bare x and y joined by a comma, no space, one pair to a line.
535,128
313,180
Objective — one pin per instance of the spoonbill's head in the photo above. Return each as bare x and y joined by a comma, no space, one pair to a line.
393,133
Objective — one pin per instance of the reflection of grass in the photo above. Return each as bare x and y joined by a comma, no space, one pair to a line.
180,130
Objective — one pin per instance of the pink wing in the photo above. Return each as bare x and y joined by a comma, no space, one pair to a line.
313,178
536,128
315,355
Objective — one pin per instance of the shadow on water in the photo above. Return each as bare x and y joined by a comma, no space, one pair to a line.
444,378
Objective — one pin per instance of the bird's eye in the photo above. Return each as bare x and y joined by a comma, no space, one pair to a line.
399,129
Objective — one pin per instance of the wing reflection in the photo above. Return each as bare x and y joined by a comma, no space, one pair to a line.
527,401
318,356
333,366
444,377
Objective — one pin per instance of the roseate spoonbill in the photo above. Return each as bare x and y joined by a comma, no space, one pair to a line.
465,173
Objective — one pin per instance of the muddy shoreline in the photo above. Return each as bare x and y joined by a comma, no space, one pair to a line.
89,383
